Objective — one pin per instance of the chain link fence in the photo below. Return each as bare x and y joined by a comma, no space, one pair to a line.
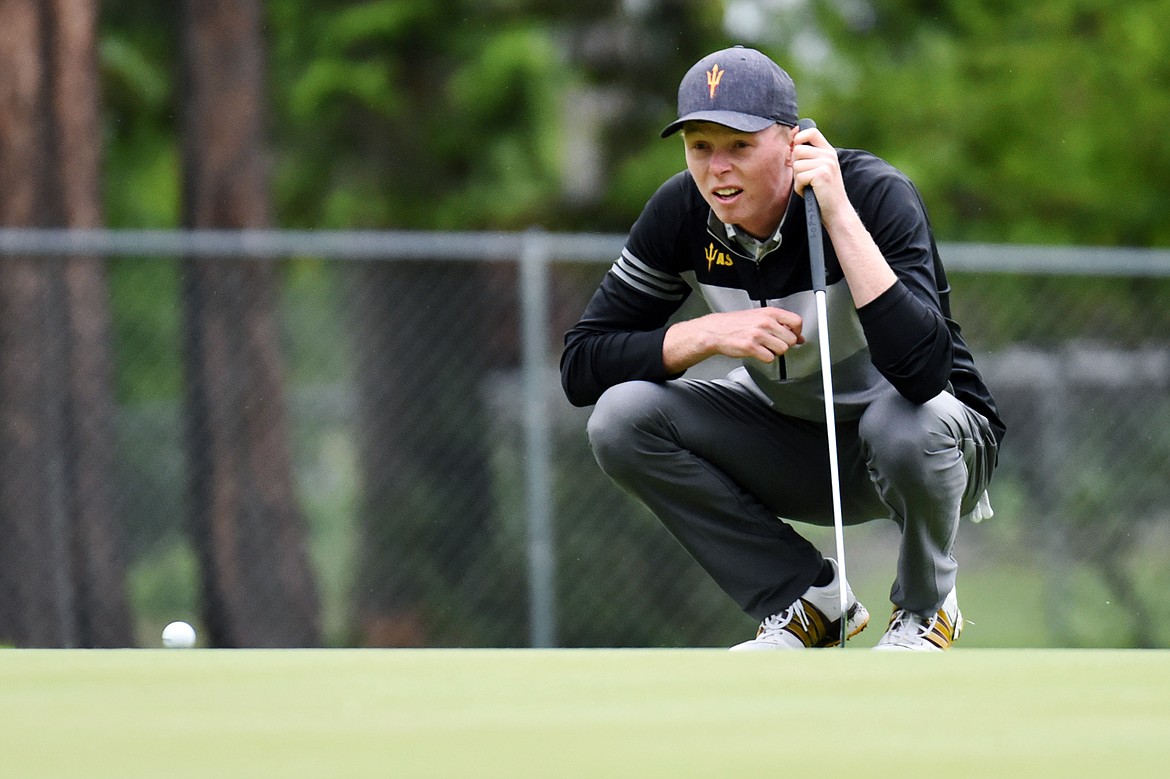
442,489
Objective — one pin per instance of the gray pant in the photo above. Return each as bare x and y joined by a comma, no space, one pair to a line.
720,468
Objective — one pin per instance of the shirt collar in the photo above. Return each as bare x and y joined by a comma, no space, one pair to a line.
752,245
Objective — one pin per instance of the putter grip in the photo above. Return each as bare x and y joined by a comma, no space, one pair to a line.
812,215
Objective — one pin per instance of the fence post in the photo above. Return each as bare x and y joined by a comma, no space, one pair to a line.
533,279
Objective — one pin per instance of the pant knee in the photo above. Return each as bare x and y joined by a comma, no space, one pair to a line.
899,437
622,415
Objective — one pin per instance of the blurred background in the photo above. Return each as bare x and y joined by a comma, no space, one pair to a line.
283,286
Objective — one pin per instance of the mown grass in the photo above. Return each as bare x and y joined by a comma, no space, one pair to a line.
582,713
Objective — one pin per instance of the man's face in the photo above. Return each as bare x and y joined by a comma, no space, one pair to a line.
745,177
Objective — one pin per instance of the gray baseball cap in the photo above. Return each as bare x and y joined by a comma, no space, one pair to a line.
737,87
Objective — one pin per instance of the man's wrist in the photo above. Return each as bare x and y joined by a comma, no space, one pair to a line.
683,346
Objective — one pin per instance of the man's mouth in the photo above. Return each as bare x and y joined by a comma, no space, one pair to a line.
726,193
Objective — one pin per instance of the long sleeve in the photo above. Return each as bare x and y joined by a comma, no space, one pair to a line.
910,340
619,338
909,343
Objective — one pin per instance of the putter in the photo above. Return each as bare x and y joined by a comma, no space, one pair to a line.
816,256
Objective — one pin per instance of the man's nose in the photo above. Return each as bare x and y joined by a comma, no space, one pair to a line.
720,161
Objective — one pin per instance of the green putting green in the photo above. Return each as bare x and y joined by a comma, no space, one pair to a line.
583,713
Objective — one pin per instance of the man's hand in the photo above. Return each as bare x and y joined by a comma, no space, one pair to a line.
815,164
762,333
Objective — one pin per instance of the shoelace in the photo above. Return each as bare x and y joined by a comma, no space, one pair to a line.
906,622
780,621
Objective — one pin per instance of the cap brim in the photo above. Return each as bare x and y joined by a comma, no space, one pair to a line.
745,123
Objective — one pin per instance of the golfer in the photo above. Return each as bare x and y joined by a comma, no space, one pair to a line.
729,464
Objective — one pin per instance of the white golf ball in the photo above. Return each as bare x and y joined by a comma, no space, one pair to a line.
178,635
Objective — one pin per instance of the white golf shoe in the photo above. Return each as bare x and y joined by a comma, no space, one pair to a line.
813,621
909,632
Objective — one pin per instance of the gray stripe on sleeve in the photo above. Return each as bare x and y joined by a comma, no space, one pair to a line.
645,279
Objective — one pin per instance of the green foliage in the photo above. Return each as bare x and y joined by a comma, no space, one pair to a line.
130,74
1034,122
141,159
400,118
413,113
504,100
145,296
638,176
1031,122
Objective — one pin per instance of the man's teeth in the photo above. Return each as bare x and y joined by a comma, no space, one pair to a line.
726,192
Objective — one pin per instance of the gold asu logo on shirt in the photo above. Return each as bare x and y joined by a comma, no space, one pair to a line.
716,257
714,76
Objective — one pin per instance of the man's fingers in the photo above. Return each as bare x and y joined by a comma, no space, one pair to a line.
812,137
762,332
779,338
812,159
786,319
782,330
786,335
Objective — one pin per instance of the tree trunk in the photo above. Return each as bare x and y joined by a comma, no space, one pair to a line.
99,567
62,579
258,586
